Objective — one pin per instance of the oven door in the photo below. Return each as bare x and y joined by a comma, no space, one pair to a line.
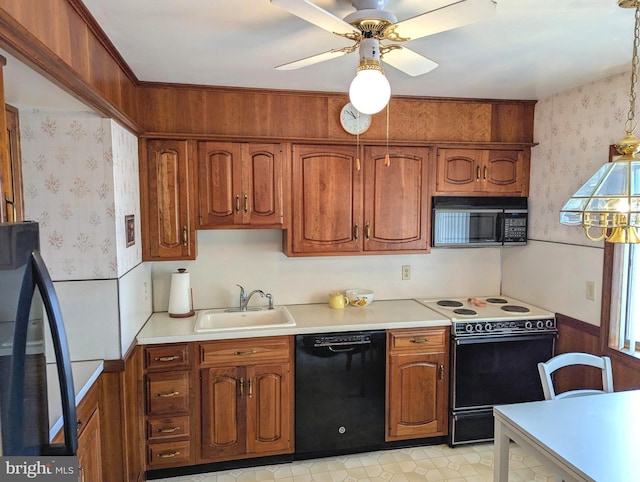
496,370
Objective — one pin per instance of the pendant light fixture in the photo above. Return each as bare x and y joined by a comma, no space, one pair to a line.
608,204
370,90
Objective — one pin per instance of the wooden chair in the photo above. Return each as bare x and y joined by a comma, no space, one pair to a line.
566,359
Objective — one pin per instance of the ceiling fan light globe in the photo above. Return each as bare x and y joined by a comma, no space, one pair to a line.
369,91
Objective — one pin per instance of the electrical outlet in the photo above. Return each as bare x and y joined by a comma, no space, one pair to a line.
406,272
591,291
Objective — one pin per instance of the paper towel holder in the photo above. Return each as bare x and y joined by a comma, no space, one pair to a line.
180,296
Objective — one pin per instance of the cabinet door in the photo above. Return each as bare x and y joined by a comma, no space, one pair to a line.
504,172
167,198
90,450
416,395
458,170
220,198
262,185
269,409
327,200
395,198
239,184
223,421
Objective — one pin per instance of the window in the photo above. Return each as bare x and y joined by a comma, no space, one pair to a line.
624,312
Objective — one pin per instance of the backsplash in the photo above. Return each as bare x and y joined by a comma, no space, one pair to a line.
80,181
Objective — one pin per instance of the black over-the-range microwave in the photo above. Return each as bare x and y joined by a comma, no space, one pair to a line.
460,221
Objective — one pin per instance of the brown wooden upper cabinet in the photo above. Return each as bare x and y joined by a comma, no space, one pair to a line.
167,199
346,203
240,185
483,172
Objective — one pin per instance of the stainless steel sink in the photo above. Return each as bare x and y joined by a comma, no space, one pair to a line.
219,320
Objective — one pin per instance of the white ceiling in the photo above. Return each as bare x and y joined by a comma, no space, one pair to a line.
529,50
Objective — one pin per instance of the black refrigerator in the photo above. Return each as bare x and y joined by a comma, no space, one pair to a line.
29,306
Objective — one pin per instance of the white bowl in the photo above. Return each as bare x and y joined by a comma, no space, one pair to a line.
360,298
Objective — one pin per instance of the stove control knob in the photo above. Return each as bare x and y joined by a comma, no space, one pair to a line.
478,327
468,327
550,324
528,325
488,327
539,324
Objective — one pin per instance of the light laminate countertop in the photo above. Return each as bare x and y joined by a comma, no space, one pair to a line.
309,318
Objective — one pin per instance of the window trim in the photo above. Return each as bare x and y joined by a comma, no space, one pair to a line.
609,329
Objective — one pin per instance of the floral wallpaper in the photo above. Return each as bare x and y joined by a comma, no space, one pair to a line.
80,175
574,129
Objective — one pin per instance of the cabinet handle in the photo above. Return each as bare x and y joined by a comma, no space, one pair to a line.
237,203
356,231
167,358
367,232
185,238
250,387
168,430
477,173
246,204
357,164
81,469
484,173
418,340
167,395
241,387
79,424
242,353
441,372
168,456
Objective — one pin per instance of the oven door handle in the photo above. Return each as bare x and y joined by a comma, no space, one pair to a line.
501,338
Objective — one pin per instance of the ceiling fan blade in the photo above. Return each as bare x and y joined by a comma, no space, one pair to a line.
314,59
318,16
408,61
454,15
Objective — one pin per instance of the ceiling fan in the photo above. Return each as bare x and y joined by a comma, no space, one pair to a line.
376,33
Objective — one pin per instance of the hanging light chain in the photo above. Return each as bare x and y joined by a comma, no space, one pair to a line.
631,123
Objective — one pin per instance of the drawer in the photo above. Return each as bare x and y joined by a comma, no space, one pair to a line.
421,339
245,352
168,393
166,357
159,429
168,454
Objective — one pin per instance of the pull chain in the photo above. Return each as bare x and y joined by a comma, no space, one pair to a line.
387,162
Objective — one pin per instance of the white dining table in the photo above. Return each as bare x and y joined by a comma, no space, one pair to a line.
593,438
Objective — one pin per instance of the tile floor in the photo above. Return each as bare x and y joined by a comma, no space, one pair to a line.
470,463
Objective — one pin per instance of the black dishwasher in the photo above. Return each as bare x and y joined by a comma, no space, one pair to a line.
340,393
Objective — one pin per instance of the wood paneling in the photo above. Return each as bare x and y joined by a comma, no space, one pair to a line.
576,335
259,114
61,40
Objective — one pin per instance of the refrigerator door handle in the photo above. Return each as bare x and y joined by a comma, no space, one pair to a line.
36,274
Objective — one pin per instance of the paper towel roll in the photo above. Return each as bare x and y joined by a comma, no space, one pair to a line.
180,295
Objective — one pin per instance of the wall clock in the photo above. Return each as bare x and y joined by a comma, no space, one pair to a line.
353,121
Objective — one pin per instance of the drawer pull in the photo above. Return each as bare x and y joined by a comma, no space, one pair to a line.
441,372
167,358
168,430
168,456
241,353
419,340
166,395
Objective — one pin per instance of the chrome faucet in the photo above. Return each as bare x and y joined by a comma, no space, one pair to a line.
244,298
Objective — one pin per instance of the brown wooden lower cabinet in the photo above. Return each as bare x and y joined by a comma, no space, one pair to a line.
417,383
247,407
90,449
168,405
